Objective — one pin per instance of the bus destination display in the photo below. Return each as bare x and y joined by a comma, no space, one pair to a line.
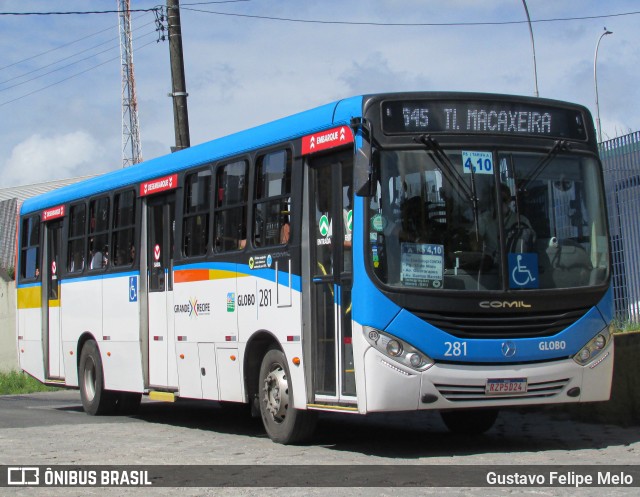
481,117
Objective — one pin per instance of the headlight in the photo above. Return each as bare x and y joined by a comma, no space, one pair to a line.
593,348
394,348
398,350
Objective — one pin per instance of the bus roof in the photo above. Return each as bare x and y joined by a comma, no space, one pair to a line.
284,129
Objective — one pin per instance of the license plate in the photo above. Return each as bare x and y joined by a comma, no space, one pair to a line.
506,386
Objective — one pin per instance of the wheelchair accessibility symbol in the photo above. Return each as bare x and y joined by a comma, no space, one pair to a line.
523,271
133,289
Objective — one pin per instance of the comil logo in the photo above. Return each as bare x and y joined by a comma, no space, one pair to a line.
23,476
504,304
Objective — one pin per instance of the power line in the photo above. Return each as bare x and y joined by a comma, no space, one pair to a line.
89,12
409,24
70,77
317,21
67,58
110,28
71,13
55,48
63,67
207,3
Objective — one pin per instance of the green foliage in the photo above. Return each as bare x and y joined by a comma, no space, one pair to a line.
17,382
625,326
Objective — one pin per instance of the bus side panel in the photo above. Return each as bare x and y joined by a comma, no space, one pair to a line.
189,372
229,379
203,317
81,310
120,335
200,307
30,353
259,310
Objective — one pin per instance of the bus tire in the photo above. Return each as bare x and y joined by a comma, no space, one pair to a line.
96,400
283,423
469,421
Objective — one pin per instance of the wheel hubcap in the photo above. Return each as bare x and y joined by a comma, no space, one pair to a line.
90,380
276,393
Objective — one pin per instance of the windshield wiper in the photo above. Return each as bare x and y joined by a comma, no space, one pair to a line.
446,167
558,146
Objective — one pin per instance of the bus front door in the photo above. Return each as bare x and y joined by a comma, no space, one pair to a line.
50,272
330,218
160,242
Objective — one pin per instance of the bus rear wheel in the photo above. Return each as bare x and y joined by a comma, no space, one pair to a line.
283,423
469,421
95,399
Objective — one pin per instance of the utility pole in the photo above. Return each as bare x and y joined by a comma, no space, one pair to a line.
131,146
178,85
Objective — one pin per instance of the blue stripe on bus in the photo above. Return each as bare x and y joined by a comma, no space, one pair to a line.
28,285
439,345
606,307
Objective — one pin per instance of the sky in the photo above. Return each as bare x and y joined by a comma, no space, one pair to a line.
250,62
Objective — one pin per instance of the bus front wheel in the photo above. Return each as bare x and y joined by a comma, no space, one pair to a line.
469,421
283,423
95,399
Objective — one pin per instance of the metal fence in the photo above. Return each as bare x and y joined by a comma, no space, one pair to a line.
621,161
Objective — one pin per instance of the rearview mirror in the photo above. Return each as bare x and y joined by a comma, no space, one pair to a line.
363,170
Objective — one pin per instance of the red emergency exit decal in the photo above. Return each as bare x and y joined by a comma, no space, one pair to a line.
159,185
325,140
53,213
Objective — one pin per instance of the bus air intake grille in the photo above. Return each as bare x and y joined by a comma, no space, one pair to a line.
503,325
476,393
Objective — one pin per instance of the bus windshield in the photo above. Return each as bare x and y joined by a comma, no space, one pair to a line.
487,220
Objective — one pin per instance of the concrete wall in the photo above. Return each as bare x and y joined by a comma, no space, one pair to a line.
8,347
624,407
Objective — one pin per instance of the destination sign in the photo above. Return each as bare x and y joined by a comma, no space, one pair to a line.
482,117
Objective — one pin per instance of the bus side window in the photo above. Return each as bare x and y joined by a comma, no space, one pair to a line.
230,202
271,216
30,247
75,252
124,219
195,228
98,247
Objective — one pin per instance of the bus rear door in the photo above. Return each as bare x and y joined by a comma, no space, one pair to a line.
50,277
160,243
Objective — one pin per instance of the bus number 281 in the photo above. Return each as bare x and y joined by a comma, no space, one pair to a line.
455,349
265,298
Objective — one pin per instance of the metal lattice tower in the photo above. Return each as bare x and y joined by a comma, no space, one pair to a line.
131,146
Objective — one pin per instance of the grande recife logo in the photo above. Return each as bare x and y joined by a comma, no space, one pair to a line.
324,140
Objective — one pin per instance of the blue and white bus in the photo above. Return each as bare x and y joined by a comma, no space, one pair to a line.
388,252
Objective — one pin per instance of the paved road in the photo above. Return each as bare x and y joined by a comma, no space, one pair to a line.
51,428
